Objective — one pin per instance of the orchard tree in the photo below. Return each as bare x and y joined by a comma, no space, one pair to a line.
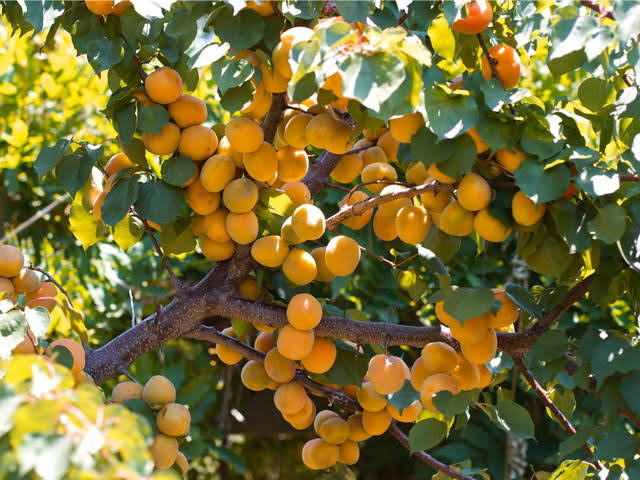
406,224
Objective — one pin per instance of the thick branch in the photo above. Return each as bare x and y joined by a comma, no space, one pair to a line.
573,295
273,116
319,172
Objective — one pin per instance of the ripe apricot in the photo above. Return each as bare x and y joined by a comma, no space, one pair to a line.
392,207
295,344
357,433
182,463
75,350
418,373
321,357
349,453
322,416
163,86
374,133
290,398
270,251
304,312
164,451
287,233
483,350
386,373
479,16
299,267
524,211
214,226
254,376
416,173
376,423
298,192
292,164
242,227
466,373
435,201
369,399
438,357
324,274
224,148
6,287
508,66
240,195
472,329
347,169
319,455
474,193
159,390
244,135
403,128
334,430
384,226
295,130
217,251
341,142
279,368
510,160
265,341
389,146
489,227
378,172
100,7
412,224
126,391
228,355
262,163
164,143
174,419
356,222
406,415
272,81
321,131
485,377
26,281
373,154
11,261
27,345
48,303
479,143
434,384
507,314
456,220
342,255
264,9
217,172
281,51
187,111
45,289
116,163
308,222
302,419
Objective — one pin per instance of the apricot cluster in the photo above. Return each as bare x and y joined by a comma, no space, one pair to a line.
173,419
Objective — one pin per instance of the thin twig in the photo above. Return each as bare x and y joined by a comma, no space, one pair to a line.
139,63
52,280
630,416
129,375
493,65
177,284
337,187
34,218
597,7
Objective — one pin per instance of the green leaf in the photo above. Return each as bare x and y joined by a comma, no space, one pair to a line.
523,299
564,399
228,74
441,36
431,261
617,444
237,98
496,97
304,88
450,405
159,202
449,115
424,141
73,171
574,442
13,329
84,226
355,10
597,182
571,224
630,389
349,368
241,31
629,246
45,453
240,327
463,158
627,15
134,149
276,202
513,419
595,93
128,232
539,141
120,199
50,156
553,344
612,354
178,237
426,434
549,257
570,470
568,38
152,118
62,355
404,397
466,303
443,245
141,407
38,320
609,224
124,121
539,184
178,170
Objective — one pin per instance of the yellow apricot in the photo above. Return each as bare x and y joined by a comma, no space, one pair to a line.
126,391
403,128
342,255
378,172
270,251
373,154
489,227
254,376
438,357
187,111
264,342
116,163
242,227
479,143
164,143
334,430
292,164
279,368
389,145
408,414
418,373
304,312
26,281
217,251
240,195
483,350
369,399
299,267
261,164
357,433
392,207
159,390
341,142
163,86
217,172
295,128
435,172
510,160
6,287
308,222
272,81
224,148
473,329
384,226
435,201
507,314
214,226
324,274
443,316
75,350
290,398
322,356
386,373
11,261
485,377
322,416
287,233
45,289
524,211
466,373
416,173
376,423
264,9
434,384
474,193
321,131
174,419
228,355
295,344
374,133
304,418
244,135
347,169
319,455
202,201
164,451
100,7
27,345
456,220
349,453
182,463
356,222
412,224
298,192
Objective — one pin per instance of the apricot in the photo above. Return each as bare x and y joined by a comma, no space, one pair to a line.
342,255
349,453
11,261
434,384
287,233
187,111
116,163
270,251
510,160
435,201
483,350
182,463
261,164
348,168
472,330
48,303
26,281
126,391
279,368
164,451
244,135
374,133
357,433
254,376
288,38
369,399
466,373
302,419
290,398
479,143
295,344
438,175
324,274
456,220
27,345
489,227
334,430
308,222
485,376
217,172
174,419
389,146
407,414
298,192
228,355
371,155
322,356
100,7
264,342
240,195
217,251
164,85
384,226
474,193
96,207
376,423
164,143
319,455
214,226
75,350
224,148
322,416
292,164
299,267
272,81
242,227
438,357
392,207
508,66
524,211
321,131
479,16
45,289
418,373
507,314
386,373
341,142
416,173
403,128
295,130
412,224
356,222
264,9
304,312
382,172
159,390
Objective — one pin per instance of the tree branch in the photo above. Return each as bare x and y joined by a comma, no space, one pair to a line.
319,172
52,280
177,284
601,9
274,115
